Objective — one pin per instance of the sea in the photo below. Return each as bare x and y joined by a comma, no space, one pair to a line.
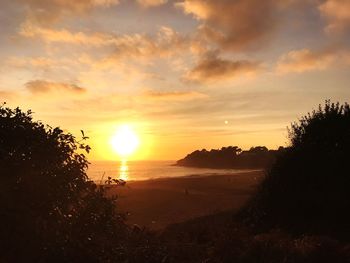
99,171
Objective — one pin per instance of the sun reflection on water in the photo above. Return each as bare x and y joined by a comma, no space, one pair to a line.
124,170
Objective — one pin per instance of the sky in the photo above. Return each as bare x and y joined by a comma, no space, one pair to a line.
183,74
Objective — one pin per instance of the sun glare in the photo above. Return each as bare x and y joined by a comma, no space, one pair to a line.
125,141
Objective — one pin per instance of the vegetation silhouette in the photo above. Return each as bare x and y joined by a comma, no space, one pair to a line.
50,211
307,189
222,238
301,212
259,157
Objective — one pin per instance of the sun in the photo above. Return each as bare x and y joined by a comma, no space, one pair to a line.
125,141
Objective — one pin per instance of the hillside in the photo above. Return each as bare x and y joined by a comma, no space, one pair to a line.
233,157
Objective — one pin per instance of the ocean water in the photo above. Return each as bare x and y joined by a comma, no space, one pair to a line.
99,171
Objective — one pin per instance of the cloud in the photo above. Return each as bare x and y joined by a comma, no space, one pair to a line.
173,95
33,61
49,35
233,25
150,3
43,86
44,12
166,41
337,13
44,63
213,68
68,4
305,60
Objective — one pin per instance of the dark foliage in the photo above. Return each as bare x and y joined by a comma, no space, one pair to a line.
231,157
221,238
50,211
307,189
299,214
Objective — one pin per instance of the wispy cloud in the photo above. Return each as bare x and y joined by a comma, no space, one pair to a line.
150,3
303,60
173,95
166,42
46,12
50,35
43,86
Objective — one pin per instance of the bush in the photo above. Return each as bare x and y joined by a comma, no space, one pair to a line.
308,188
50,211
220,238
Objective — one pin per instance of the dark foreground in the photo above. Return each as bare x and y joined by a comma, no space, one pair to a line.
196,220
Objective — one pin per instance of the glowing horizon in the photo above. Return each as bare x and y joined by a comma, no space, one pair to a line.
184,74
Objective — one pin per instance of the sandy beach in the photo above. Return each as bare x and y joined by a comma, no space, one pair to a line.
157,203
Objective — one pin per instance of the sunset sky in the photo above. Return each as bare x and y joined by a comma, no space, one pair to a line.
184,74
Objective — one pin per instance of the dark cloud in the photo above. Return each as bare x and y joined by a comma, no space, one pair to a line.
211,67
233,25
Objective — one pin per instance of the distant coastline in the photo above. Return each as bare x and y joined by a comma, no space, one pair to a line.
231,157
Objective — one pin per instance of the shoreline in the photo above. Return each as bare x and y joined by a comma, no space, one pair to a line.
200,175
98,172
194,175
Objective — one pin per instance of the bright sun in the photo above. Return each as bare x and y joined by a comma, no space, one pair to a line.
125,141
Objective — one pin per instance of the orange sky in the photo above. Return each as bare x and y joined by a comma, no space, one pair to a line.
184,74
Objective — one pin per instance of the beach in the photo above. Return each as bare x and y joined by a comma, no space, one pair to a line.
156,203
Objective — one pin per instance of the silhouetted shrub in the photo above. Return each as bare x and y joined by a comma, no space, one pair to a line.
308,188
50,211
227,240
